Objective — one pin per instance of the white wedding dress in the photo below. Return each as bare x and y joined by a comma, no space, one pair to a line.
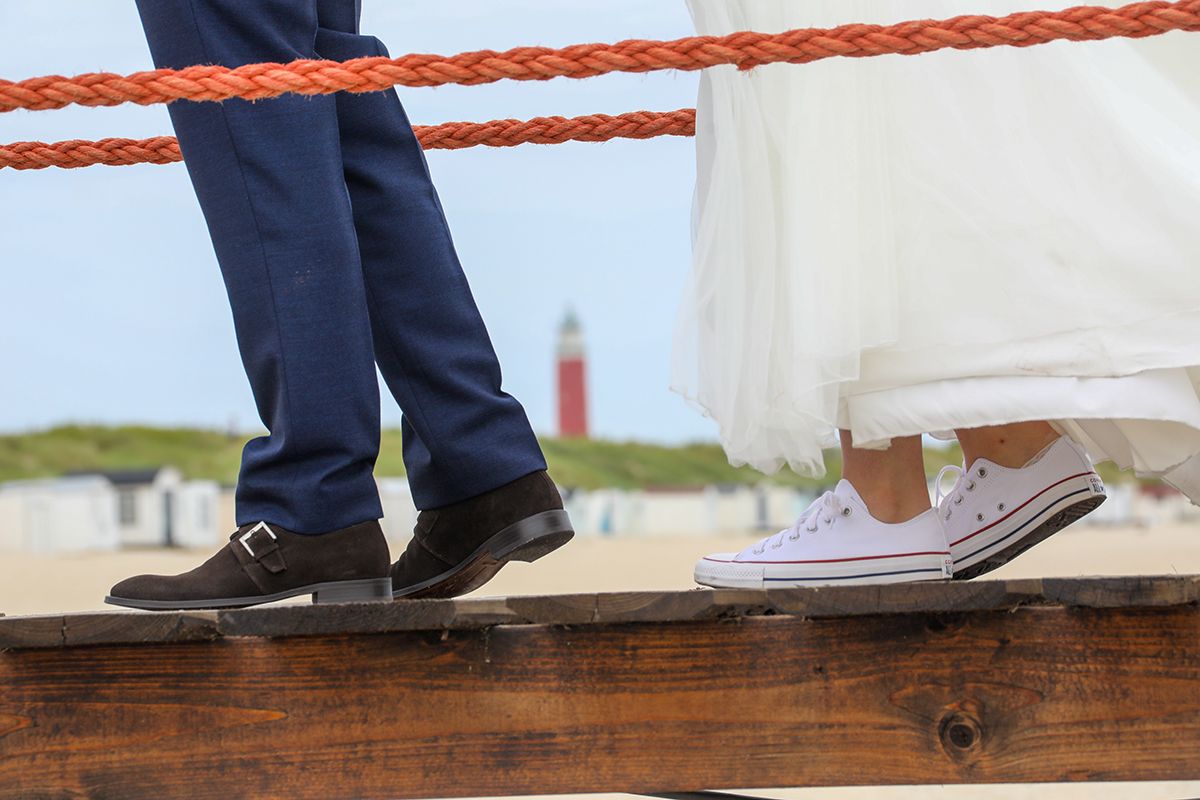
900,245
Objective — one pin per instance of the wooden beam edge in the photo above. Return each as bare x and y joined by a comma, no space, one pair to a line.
72,630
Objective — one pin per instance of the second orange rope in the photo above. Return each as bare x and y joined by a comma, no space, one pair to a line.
77,153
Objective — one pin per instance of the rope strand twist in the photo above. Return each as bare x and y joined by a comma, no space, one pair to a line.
744,50
449,136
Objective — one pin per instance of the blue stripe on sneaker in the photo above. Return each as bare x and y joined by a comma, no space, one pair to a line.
851,577
1030,521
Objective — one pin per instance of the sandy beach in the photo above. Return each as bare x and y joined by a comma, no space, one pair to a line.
40,584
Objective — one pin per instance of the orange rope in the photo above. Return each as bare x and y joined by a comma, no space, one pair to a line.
80,153
745,50
555,130
449,136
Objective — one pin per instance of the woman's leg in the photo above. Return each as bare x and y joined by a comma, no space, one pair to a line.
1007,445
1005,502
891,482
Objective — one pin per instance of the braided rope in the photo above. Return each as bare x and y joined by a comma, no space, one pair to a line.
449,136
555,130
745,50
80,153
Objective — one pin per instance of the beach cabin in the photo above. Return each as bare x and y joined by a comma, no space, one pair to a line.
155,507
145,512
58,515
197,519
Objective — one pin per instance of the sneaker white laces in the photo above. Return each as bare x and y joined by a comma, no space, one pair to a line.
949,469
943,501
825,509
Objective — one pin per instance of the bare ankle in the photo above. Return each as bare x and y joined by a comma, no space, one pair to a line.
1007,445
892,507
891,482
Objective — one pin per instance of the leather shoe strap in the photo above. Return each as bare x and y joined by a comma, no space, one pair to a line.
258,552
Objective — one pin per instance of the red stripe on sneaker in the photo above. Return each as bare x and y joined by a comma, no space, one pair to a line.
1018,508
830,560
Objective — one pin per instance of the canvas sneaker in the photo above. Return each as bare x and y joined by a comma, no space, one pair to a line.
995,513
835,542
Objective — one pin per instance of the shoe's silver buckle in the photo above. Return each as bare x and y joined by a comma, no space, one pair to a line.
262,526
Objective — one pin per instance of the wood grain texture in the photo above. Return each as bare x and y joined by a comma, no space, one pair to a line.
588,609
70,630
1032,693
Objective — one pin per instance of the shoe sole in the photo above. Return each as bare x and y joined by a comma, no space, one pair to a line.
370,590
1059,514
854,572
526,540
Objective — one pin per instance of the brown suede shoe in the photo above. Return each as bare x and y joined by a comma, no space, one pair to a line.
263,563
457,548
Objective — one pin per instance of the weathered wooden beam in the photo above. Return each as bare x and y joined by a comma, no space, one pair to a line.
706,691
67,630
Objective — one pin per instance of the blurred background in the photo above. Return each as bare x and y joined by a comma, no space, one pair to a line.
123,406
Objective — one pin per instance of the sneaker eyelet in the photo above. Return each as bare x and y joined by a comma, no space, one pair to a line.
971,486
845,512
979,517
813,529
948,513
958,500
1001,507
982,472
793,537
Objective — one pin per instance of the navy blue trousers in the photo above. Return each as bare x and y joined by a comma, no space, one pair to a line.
336,256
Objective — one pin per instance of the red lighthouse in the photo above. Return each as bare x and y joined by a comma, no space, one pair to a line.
572,380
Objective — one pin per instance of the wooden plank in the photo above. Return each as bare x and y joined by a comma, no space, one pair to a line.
1117,592
585,609
69,630
33,631
360,618
1039,693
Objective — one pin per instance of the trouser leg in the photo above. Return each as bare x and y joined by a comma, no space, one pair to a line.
269,179
463,435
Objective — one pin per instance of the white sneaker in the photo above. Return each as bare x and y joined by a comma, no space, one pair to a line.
995,513
835,542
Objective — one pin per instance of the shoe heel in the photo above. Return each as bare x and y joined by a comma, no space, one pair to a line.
372,590
533,537
542,546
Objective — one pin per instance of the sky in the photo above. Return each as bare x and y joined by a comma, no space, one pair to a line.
113,310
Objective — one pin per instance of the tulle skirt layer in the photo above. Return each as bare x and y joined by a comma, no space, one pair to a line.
899,245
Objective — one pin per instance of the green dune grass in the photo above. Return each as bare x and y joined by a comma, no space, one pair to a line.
212,455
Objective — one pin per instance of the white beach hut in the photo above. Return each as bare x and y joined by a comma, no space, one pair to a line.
58,515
